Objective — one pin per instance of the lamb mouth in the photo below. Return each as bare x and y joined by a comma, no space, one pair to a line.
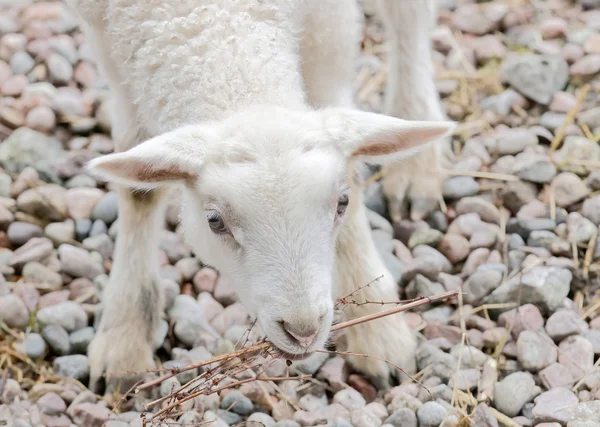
293,357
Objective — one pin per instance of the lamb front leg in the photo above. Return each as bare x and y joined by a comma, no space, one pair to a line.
388,338
132,301
411,94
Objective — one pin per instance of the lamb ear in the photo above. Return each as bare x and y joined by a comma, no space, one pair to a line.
170,158
377,138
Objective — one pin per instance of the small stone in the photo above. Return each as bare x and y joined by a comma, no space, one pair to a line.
553,28
90,414
333,371
588,65
51,404
20,233
362,417
41,118
525,318
80,202
565,323
237,402
57,338
77,262
350,399
556,375
536,76
34,272
13,311
513,392
554,406
81,339
581,229
75,366
577,355
59,68
513,141
403,417
25,147
518,193
458,187
539,171
469,18
259,419
591,209
106,209
35,202
431,414
61,232
429,237
562,102
67,314
455,247
465,379
480,284
543,286
568,189
35,346
535,351
484,417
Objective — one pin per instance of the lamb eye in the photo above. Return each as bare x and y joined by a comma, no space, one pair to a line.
342,203
216,222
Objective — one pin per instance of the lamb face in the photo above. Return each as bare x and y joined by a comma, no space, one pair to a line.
265,194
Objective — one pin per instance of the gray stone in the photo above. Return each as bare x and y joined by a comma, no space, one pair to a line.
591,209
25,147
237,402
513,141
35,346
564,323
260,419
537,77
483,416
98,227
458,187
57,338
535,350
480,284
513,392
82,228
81,339
20,233
107,208
543,286
67,314
403,417
75,366
349,398
568,189
431,414
518,193
77,262
540,171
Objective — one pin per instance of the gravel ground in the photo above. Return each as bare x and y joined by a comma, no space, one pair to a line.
518,233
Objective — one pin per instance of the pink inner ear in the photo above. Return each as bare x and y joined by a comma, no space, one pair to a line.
162,174
386,143
134,170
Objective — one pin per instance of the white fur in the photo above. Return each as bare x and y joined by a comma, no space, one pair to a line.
246,106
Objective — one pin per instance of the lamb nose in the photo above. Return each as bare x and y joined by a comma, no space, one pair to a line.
304,335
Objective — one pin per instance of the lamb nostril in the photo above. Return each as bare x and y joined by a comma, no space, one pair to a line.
304,336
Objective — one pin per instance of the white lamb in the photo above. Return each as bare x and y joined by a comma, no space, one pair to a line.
246,106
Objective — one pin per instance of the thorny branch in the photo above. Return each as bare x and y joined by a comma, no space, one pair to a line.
228,366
